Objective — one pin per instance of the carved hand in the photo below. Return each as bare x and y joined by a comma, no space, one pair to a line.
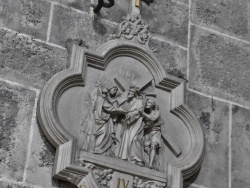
119,111
141,112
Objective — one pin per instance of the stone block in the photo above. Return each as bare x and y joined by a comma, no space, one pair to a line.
172,58
230,17
68,24
115,13
183,1
16,108
83,5
219,66
26,16
214,119
4,184
27,61
167,18
42,161
240,147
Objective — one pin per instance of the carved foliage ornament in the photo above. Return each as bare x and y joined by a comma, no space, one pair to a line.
133,28
103,176
118,120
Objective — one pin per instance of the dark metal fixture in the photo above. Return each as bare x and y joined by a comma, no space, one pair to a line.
101,4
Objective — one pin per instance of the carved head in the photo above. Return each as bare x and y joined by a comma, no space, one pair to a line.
113,90
133,92
104,90
150,104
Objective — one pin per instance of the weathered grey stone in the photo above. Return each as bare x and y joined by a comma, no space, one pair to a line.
27,61
220,66
240,147
12,185
183,1
16,107
83,5
25,16
173,58
68,24
20,185
167,18
41,161
214,119
117,12
231,17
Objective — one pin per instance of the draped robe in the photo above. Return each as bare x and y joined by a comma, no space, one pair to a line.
131,148
103,126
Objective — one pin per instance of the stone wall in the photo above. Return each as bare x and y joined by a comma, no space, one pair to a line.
205,42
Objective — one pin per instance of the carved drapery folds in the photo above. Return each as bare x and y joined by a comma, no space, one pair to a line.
125,125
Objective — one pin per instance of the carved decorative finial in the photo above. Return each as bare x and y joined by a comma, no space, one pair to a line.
133,28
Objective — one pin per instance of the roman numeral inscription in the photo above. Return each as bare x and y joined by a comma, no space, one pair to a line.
121,183
121,180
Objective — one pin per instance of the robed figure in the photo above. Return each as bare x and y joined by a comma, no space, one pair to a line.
152,131
103,133
131,145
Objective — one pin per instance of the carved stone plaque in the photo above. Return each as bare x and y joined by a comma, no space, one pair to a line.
118,120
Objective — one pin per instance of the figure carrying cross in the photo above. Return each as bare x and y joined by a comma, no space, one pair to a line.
147,128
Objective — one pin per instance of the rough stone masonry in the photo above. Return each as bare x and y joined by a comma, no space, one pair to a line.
205,42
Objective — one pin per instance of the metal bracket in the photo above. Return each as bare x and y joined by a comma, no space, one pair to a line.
101,4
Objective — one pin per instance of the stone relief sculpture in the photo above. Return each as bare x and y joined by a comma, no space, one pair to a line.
116,119
112,123
140,139
131,148
102,132
103,176
103,124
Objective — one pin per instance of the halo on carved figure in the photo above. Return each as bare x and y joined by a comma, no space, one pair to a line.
77,167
